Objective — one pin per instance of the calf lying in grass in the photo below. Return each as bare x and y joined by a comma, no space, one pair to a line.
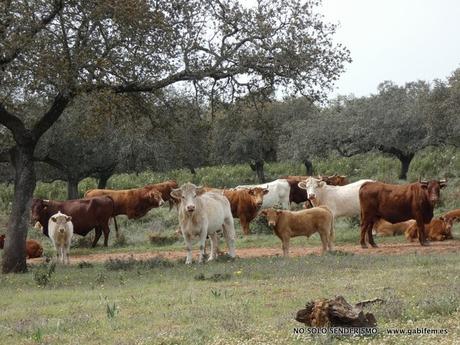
384,228
287,224
33,248
60,230
437,230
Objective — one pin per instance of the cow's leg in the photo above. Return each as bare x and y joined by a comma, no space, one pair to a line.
97,235
363,234
106,234
229,234
67,252
421,233
324,241
117,234
370,237
188,246
214,240
203,235
244,225
285,241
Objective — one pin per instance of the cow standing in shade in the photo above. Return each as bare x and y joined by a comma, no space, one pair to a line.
398,203
87,214
201,214
60,229
134,203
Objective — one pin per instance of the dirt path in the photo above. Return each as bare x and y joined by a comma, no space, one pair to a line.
383,249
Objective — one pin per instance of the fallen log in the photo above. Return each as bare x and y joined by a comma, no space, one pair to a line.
337,312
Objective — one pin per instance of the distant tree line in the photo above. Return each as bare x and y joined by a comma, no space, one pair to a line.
101,134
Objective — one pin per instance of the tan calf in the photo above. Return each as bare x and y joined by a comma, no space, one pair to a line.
287,224
437,230
384,228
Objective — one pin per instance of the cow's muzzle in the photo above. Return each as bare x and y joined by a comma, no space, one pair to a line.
190,208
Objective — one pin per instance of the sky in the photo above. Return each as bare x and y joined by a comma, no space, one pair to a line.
401,41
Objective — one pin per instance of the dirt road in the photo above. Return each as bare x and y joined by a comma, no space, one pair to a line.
383,249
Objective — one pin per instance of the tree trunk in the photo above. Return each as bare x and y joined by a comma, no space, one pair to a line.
72,188
14,255
308,167
405,163
102,183
192,170
258,168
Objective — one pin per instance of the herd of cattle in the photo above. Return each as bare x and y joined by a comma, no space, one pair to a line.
204,212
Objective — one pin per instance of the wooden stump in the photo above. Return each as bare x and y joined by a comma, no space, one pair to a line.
336,312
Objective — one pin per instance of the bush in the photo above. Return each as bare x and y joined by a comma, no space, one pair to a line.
43,274
260,226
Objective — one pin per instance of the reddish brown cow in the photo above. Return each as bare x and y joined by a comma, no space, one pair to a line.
33,248
452,216
398,203
244,203
87,214
165,189
134,203
437,230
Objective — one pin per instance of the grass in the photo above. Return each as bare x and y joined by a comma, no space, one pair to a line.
251,301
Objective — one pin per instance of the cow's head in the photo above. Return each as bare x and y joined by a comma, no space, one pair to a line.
433,189
2,241
447,227
257,195
187,194
61,220
272,216
39,210
155,197
311,185
335,180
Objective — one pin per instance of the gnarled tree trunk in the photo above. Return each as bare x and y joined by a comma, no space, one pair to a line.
72,188
308,167
405,160
14,256
103,179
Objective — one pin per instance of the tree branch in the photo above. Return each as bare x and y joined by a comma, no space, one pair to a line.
51,116
7,58
12,122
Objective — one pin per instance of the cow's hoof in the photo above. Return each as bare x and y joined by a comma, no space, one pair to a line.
364,246
374,245
426,244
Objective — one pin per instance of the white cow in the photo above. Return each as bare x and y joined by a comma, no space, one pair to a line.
60,231
201,214
343,201
278,193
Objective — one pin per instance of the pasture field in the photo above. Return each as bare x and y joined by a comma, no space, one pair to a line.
246,301
251,300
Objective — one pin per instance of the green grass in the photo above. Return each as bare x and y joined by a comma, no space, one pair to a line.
254,304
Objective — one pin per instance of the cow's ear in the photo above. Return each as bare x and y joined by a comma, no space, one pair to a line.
68,218
53,219
443,183
200,190
265,191
302,184
278,212
251,191
263,213
321,184
176,193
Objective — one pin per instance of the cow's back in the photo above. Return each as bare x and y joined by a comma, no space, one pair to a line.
86,213
312,218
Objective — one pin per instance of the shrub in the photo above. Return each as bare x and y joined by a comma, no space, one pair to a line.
43,274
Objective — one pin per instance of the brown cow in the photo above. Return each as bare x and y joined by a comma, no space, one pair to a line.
452,216
398,203
134,203
244,203
299,195
33,248
87,214
384,228
165,189
287,224
437,230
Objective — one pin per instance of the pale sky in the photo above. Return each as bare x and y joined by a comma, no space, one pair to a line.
402,41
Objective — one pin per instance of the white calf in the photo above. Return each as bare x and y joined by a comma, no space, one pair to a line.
201,214
60,231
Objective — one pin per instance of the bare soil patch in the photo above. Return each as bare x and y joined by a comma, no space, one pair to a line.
383,249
